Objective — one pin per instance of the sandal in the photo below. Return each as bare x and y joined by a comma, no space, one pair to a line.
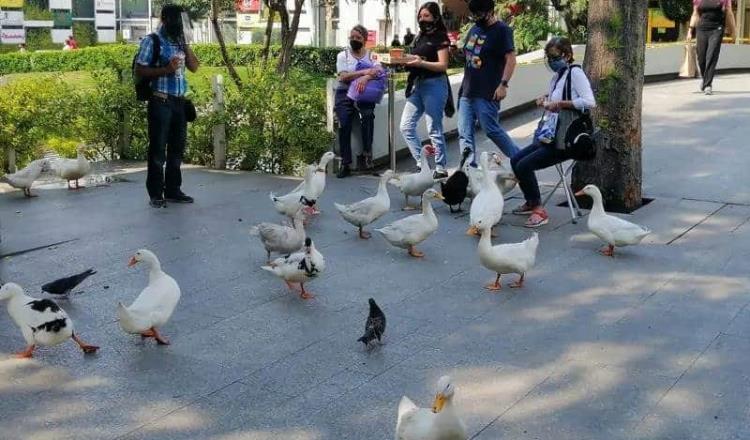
524,209
537,219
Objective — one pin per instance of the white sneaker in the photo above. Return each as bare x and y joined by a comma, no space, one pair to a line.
709,91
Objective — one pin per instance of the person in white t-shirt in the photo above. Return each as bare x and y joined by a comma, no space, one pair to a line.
543,152
346,109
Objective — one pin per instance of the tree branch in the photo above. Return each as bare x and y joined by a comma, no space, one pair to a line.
220,36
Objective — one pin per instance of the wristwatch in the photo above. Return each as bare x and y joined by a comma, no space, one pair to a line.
505,84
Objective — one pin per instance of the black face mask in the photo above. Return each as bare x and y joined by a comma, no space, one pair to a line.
481,20
426,26
356,45
173,28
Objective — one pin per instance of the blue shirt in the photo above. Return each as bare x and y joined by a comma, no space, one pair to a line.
174,84
485,50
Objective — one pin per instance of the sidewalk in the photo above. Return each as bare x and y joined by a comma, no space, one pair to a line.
653,344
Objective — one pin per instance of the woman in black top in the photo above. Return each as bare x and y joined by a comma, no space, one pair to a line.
428,90
709,20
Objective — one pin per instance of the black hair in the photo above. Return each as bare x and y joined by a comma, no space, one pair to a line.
361,30
171,17
562,44
170,11
481,6
434,10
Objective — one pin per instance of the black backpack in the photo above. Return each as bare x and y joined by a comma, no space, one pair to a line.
580,143
143,89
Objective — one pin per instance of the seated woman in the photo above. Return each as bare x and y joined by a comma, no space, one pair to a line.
543,153
346,109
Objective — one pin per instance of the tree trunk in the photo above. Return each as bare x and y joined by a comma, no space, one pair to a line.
329,5
269,33
220,37
615,58
288,36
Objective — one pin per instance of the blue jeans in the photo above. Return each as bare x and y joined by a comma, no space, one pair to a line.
471,109
428,98
536,156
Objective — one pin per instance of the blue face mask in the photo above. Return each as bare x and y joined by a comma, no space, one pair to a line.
557,64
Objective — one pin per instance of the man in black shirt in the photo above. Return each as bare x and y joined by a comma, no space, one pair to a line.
490,62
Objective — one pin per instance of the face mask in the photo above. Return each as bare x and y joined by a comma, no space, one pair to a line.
557,64
355,45
481,20
426,26
173,28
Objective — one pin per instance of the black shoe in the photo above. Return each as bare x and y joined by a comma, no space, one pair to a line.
157,202
344,172
439,174
180,198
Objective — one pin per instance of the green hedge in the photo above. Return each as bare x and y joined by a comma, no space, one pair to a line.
275,126
118,56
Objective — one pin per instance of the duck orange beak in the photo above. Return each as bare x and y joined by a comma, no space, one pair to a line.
132,261
580,193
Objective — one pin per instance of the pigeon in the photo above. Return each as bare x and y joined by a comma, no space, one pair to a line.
375,325
64,286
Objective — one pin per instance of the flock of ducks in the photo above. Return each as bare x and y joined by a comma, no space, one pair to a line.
72,170
44,323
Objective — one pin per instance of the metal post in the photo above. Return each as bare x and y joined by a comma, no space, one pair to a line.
150,20
219,133
392,116
740,22
11,160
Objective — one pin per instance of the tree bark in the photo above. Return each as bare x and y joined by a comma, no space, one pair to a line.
329,5
288,36
215,8
615,58
269,33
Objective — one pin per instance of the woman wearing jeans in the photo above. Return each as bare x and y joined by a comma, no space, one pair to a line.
428,90
346,109
543,153
709,18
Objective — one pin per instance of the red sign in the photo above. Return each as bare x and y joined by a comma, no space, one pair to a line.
372,39
247,6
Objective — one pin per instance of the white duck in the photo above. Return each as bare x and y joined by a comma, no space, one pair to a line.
156,303
280,238
612,230
487,206
503,176
299,267
42,321
318,182
364,212
290,203
439,423
24,178
507,258
415,184
410,231
73,169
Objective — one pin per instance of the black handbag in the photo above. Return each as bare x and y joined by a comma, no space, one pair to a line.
575,128
190,113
